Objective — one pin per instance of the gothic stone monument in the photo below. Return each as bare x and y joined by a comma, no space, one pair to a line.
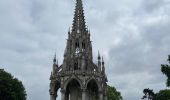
79,78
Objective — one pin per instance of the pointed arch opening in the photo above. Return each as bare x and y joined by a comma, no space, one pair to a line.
92,90
77,44
77,47
73,90
83,45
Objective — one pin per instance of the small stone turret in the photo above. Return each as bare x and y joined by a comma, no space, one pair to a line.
55,65
78,77
99,62
103,67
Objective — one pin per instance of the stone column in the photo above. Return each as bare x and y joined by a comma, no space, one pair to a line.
53,97
105,93
62,94
83,94
52,91
105,97
66,95
100,95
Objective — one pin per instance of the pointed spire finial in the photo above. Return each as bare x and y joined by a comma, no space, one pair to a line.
99,55
99,62
57,62
103,67
102,61
79,20
54,60
69,30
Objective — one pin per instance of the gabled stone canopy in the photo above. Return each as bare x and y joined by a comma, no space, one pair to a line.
79,78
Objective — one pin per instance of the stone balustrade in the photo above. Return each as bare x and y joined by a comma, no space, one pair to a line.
79,72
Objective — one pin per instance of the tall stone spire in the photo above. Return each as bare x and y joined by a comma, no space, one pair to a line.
79,20
78,51
78,76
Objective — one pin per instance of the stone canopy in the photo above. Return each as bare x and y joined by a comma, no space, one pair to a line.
78,77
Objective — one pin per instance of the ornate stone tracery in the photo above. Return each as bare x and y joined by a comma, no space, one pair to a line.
78,77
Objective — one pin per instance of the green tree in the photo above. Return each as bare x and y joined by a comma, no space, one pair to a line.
148,93
163,95
166,70
113,94
11,88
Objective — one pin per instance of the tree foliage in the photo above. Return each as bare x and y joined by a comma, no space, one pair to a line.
11,88
148,93
163,95
113,94
166,70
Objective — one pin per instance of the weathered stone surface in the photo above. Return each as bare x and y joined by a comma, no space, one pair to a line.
78,77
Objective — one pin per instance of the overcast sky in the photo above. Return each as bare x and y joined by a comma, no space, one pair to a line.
132,35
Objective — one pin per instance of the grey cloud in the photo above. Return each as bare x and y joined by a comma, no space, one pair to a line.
142,49
133,35
152,5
